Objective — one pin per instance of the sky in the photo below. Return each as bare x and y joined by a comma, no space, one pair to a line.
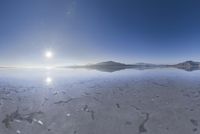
90,31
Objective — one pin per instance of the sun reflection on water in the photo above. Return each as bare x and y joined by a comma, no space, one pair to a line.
48,80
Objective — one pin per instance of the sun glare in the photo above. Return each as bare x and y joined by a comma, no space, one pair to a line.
48,54
48,80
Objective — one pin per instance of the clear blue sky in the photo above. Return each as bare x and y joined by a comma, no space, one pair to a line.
87,31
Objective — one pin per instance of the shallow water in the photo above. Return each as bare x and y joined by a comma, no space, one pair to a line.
81,101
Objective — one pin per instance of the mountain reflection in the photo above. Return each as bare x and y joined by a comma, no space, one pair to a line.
115,69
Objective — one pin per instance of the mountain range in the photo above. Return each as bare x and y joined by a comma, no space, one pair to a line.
111,66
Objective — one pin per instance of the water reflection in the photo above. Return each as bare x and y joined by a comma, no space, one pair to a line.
29,97
48,80
120,68
63,76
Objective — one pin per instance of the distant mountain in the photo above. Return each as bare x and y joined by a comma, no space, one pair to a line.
188,65
111,66
109,63
113,63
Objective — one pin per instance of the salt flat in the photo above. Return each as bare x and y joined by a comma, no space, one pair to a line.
67,101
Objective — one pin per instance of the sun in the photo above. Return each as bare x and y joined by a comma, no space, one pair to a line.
48,54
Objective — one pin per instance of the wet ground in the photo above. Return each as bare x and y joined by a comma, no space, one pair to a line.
155,101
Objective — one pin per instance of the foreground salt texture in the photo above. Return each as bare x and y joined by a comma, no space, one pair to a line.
152,102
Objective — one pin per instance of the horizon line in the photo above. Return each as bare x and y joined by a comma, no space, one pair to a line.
60,66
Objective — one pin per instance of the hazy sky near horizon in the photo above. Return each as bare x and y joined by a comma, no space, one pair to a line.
87,31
